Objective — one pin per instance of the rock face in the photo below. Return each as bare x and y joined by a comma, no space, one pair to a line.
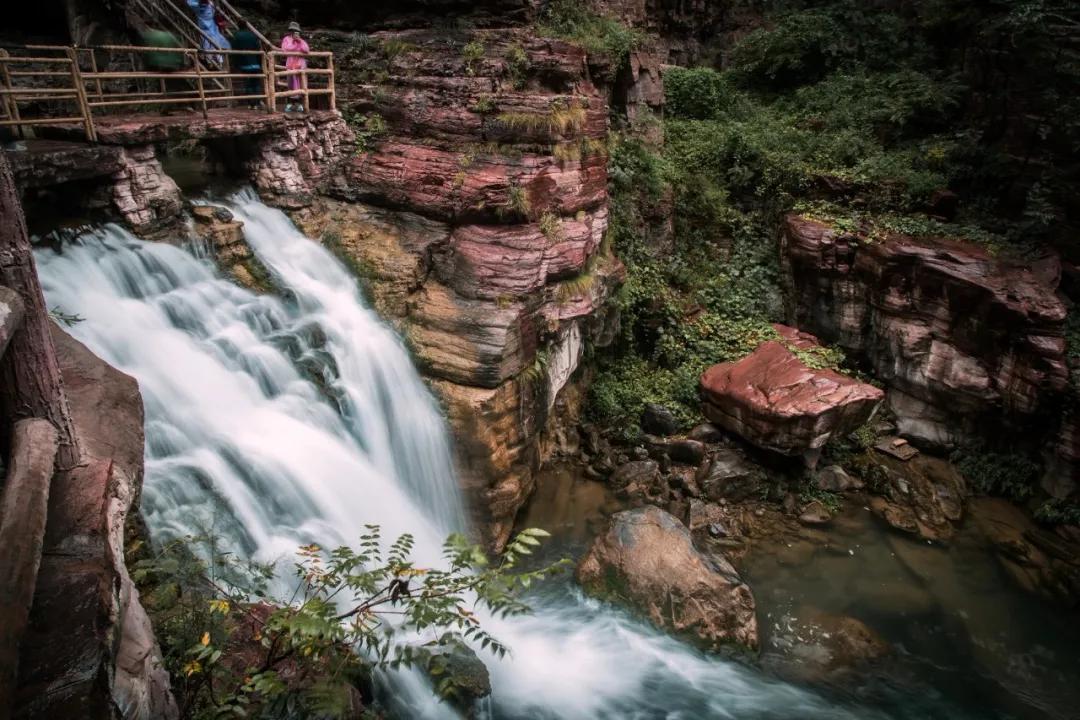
41,163
474,212
646,559
963,341
145,197
773,400
89,651
224,235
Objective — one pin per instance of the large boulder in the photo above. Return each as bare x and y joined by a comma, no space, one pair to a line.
646,560
89,649
774,400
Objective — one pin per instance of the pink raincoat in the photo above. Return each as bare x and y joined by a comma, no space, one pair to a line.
294,62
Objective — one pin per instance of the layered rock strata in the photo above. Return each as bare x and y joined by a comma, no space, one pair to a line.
772,399
958,336
475,211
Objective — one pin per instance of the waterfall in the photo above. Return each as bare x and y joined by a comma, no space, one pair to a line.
285,421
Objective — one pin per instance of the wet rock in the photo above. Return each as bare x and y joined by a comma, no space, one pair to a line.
773,400
658,420
706,433
643,473
89,643
647,561
1037,561
834,478
727,475
681,450
814,513
817,647
923,496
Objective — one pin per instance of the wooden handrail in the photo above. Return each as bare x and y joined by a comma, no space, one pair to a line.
79,82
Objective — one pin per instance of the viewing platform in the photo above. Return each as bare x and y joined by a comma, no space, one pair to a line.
63,91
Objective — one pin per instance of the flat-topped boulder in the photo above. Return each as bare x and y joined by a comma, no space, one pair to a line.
773,400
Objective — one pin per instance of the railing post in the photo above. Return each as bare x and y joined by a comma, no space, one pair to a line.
94,70
303,86
80,95
270,79
199,85
11,105
333,87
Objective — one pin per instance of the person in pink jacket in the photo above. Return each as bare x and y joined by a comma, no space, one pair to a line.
292,42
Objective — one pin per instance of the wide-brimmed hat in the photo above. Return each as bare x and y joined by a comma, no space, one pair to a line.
294,26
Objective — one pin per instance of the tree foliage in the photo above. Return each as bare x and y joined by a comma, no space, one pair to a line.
235,648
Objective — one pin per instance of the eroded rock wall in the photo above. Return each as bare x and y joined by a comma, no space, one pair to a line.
966,342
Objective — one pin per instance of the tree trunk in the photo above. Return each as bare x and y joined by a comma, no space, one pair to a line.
30,382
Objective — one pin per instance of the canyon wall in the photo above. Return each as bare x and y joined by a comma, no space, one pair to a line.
474,209
971,346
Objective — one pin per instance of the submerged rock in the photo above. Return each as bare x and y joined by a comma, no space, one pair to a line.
727,475
772,399
646,560
923,496
819,647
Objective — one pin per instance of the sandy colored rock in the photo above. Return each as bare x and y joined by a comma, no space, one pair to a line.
646,560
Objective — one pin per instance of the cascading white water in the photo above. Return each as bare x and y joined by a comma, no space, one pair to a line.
239,437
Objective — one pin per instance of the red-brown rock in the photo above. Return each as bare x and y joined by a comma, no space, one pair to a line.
956,334
773,400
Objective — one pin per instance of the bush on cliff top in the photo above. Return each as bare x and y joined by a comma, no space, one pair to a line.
602,36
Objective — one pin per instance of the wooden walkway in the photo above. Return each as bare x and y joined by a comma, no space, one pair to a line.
48,85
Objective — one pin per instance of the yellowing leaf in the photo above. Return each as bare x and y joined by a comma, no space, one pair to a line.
192,667
205,639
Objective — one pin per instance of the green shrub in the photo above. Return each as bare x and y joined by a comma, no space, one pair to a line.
1010,475
472,53
234,649
696,93
805,44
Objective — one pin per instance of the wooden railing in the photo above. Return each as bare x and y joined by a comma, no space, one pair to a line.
43,85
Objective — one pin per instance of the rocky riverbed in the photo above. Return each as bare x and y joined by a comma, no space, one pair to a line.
867,614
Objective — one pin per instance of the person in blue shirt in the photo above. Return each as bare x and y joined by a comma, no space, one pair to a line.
212,39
